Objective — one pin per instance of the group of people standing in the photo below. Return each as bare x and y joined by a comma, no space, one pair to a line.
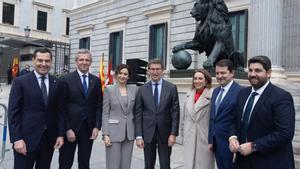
46,113
9,72
238,127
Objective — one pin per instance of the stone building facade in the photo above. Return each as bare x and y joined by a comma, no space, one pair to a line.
47,24
126,29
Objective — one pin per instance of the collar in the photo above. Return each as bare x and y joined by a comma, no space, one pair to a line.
159,82
227,87
38,76
80,73
261,89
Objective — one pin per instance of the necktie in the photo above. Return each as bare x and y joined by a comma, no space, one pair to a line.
156,95
245,117
219,99
84,84
44,89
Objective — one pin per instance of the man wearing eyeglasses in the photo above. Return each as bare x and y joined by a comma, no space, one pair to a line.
156,117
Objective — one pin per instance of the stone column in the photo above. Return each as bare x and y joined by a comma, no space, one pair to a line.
265,33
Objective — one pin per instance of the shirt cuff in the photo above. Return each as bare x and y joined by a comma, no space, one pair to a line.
232,137
139,137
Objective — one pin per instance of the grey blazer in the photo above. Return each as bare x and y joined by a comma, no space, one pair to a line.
118,119
165,118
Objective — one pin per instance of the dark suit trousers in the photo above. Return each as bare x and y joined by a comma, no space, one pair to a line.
221,162
164,153
66,153
41,157
244,162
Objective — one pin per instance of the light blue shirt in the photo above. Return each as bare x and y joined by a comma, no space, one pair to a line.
159,92
226,89
86,79
159,88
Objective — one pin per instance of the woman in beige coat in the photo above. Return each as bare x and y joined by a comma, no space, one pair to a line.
196,123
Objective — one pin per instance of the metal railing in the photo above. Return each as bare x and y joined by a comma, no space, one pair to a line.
3,148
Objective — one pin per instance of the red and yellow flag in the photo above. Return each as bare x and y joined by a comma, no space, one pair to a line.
109,75
101,72
15,67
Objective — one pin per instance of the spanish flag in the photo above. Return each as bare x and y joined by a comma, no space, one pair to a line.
15,67
101,72
109,75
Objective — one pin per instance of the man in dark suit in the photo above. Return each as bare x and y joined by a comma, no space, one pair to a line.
222,113
35,121
25,70
83,112
156,117
262,135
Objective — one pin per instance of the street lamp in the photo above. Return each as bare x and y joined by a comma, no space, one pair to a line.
27,31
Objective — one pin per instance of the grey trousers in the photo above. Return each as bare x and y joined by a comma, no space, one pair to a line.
119,155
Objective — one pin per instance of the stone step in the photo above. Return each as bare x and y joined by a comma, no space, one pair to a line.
294,91
297,117
297,107
296,147
296,98
297,161
297,127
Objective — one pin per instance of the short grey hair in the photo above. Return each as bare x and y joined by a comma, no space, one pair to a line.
84,51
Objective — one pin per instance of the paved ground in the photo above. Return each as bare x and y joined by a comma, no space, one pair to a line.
98,154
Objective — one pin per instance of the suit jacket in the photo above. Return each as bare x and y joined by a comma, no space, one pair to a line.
271,127
76,103
165,118
28,115
220,123
117,118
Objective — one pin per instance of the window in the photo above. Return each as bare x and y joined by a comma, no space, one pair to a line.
158,42
41,21
239,22
67,25
8,13
84,43
116,48
26,57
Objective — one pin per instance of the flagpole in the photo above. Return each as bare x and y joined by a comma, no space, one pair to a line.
101,72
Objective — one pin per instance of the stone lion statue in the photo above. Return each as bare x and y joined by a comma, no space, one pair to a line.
213,34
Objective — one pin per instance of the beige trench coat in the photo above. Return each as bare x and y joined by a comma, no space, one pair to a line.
196,123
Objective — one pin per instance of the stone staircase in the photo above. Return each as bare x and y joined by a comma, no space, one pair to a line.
294,89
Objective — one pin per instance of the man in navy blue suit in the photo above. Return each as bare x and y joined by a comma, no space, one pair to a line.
265,122
83,112
222,113
35,122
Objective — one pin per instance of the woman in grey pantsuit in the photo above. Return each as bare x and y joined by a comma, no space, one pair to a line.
117,120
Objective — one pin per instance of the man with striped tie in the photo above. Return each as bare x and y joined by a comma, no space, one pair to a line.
222,113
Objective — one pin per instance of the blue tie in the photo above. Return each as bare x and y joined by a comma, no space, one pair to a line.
219,99
156,95
84,84
245,118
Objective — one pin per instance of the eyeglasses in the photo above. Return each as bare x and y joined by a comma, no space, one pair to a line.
155,69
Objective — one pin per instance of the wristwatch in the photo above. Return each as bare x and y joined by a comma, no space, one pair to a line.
253,146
